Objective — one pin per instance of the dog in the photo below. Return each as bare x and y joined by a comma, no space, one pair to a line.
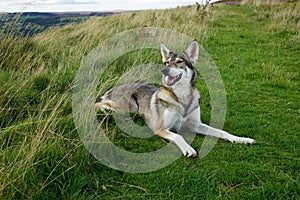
171,108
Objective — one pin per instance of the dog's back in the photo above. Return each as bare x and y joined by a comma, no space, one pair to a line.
128,97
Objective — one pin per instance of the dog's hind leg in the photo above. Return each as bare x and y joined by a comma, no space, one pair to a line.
120,104
185,148
107,104
208,130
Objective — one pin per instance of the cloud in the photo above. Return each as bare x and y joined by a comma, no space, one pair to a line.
131,3
46,2
76,2
88,5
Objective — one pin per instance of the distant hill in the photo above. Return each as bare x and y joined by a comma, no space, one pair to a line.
30,23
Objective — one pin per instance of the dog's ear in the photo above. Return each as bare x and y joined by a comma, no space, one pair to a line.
192,52
164,52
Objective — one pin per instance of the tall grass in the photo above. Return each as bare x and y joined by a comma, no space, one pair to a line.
284,17
39,143
42,157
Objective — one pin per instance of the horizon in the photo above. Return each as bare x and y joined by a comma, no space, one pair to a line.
18,6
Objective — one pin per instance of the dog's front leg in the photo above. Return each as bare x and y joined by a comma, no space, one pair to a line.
185,148
208,130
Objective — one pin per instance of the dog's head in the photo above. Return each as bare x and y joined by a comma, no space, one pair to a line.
179,67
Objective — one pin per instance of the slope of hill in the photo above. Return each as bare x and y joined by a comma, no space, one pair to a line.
256,48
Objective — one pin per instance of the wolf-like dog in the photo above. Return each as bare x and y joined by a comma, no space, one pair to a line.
171,108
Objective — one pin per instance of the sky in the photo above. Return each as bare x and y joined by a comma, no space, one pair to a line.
88,5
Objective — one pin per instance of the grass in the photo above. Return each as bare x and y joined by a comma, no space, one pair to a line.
256,48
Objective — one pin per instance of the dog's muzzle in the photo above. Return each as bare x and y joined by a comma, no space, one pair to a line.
170,79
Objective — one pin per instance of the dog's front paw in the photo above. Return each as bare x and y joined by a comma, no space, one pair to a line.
244,140
190,153
249,141
185,148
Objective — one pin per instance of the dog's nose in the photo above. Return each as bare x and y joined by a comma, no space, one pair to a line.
165,71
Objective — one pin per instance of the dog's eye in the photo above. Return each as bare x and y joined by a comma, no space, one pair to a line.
167,62
179,61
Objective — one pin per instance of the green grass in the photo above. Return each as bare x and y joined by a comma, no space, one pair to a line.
256,48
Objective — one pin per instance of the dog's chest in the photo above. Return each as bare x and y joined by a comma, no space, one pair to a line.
188,102
176,117
173,110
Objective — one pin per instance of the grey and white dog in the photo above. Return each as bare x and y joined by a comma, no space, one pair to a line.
171,108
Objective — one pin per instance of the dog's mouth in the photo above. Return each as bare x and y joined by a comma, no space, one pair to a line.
170,80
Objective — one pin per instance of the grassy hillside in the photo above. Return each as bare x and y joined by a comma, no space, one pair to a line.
256,47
